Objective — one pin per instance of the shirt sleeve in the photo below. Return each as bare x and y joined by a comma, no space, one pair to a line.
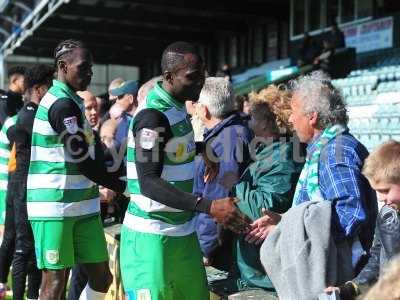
23,134
150,165
341,182
24,126
3,109
66,119
370,273
198,182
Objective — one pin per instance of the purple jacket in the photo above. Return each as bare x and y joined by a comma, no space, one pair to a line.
229,141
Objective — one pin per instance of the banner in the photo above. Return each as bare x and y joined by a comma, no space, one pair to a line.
369,36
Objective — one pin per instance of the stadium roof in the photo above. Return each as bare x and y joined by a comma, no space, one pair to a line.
126,31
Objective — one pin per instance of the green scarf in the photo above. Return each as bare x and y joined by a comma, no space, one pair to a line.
309,175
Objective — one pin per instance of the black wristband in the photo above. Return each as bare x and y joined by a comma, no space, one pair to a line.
199,148
203,205
349,291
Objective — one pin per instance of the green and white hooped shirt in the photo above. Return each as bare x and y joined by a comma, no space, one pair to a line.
145,214
5,151
56,189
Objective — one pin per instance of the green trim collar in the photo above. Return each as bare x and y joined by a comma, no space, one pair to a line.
167,97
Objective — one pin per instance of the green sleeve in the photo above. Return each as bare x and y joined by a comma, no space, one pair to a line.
270,188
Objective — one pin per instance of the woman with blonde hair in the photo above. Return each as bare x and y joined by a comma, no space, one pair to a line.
269,182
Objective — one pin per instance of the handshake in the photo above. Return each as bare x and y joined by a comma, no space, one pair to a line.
225,212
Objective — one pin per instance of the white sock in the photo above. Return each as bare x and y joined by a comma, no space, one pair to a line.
89,294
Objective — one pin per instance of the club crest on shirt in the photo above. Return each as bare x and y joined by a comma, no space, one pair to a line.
52,256
143,294
71,124
147,138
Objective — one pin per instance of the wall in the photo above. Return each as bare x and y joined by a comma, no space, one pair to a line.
318,37
253,46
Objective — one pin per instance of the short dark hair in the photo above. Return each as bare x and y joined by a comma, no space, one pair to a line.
65,48
39,74
17,70
263,112
173,55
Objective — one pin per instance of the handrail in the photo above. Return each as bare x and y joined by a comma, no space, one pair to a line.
17,37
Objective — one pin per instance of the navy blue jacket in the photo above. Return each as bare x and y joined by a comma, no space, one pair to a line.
121,135
229,141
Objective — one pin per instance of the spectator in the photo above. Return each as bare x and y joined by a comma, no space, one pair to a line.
113,85
277,98
110,101
109,207
324,60
102,106
197,124
318,113
107,133
381,169
91,109
308,51
337,37
126,95
225,72
11,101
227,138
146,87
388,285
242,106
239,103
116,112
246,106
268,182
332,171
110,147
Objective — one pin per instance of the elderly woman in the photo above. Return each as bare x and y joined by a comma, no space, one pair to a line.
269,182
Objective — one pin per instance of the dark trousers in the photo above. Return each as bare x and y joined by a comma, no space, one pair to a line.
79,280
8,245
24,262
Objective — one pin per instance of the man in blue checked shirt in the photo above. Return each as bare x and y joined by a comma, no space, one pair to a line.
333,166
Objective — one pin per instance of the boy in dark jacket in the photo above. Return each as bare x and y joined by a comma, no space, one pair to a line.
382,168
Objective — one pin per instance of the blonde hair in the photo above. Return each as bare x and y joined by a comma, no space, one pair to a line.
383,164
278,99
388,285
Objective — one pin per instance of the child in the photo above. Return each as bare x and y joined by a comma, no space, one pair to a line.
388,285
382,168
